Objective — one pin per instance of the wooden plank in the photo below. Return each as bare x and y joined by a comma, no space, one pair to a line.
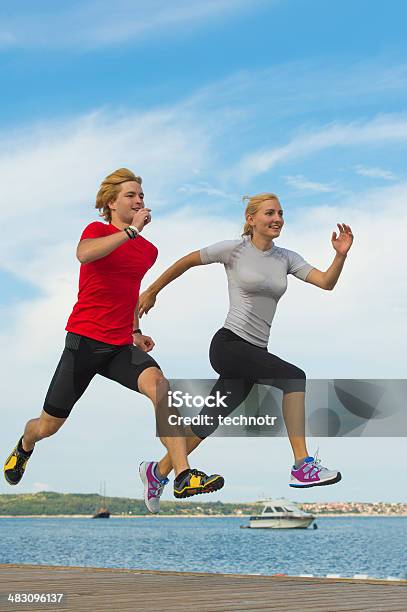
104,589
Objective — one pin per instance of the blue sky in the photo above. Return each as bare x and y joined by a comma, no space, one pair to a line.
58,63
207,102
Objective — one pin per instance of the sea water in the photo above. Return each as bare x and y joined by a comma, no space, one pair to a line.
375,546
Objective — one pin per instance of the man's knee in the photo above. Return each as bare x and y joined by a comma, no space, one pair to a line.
152,382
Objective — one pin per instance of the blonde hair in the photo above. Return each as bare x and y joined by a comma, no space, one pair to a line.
253,205
110,189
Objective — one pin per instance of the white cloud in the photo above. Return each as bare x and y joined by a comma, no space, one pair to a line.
95,23
301,183
380,173
305,89
51,174
381,130
204,188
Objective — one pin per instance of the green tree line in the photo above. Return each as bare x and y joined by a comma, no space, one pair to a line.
50,503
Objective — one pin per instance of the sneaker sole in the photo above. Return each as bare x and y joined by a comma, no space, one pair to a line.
210,488
10,482
337,478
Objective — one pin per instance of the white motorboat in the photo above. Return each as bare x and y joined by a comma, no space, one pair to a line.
280,514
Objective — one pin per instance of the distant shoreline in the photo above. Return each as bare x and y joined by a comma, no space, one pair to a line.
154,516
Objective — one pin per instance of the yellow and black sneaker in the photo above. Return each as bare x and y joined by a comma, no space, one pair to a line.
15,464
194,482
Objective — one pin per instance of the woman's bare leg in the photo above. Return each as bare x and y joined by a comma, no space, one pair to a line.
294,418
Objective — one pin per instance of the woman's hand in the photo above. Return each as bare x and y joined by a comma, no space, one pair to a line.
144,343
145,302
343,242
148,297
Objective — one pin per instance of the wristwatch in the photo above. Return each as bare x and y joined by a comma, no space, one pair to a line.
131,231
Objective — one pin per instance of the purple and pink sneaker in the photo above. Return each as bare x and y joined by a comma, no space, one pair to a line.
312,474
153,487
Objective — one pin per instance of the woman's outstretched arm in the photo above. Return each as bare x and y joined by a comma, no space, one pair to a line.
148,297
341,244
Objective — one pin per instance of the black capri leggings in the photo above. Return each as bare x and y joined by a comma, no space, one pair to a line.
240,365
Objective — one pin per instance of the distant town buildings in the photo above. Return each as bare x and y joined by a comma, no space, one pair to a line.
355,508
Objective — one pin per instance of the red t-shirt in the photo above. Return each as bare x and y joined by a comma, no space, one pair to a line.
109,288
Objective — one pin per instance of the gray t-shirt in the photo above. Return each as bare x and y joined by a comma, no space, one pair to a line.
257,280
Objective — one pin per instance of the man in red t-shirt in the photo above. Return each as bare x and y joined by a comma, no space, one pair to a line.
104,338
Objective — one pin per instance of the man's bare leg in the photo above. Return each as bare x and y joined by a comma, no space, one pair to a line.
35,430
38,429
165,464
187,482
152,383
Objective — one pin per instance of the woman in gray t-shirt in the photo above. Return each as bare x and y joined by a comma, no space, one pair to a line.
257,273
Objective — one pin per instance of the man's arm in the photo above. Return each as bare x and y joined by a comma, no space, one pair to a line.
91,249
145,343
135,318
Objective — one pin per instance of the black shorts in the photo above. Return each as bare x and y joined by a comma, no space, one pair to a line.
84,357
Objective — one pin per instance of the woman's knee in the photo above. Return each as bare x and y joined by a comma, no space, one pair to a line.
299,374
293,381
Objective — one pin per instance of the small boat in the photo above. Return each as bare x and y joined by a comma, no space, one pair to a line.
103,511
280,514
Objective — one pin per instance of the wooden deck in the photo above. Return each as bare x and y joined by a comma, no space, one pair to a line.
115,590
